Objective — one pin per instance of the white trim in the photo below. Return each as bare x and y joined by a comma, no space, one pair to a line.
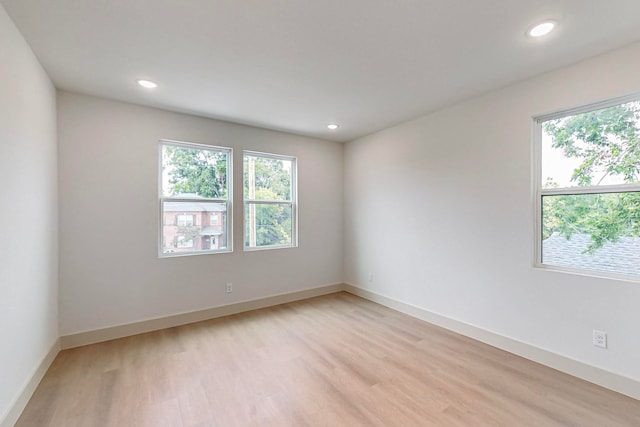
125,330
536,184
267,248
576,368
196,145
602,189
193,200
539,192
10,417
293,201
589,273
268,202
601,377
228,201
170,255
585,108
269,155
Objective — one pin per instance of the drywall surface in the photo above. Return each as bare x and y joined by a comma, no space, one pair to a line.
28,214
439,213
110,273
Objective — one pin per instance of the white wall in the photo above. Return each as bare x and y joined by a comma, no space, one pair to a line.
440,211
110,273
28,214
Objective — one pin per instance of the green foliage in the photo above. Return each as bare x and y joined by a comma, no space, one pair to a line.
271,176
273,222
606,217
203,172
607,144
189,232
195,171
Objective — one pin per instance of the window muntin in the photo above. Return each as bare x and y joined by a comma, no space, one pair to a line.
195,187
269,201
588,188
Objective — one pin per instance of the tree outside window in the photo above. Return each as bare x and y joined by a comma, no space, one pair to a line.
195,188
589,190
269,198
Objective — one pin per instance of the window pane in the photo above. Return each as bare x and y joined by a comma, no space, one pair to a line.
600,147
190,172
592,231
185,220
266,178
268,225
191,227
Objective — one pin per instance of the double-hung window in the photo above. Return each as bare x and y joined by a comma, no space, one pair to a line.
588,188
195,187
270,209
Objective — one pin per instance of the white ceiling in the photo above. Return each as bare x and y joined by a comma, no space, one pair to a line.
297,65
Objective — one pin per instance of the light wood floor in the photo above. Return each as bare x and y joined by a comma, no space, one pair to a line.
336,360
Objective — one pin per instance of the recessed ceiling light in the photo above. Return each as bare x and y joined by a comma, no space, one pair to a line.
147,84
333,126
542,29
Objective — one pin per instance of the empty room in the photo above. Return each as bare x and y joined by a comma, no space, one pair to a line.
319,213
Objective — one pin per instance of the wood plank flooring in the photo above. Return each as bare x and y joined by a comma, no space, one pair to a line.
336,360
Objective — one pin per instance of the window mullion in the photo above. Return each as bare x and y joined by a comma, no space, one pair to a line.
625,188
188,200
268,202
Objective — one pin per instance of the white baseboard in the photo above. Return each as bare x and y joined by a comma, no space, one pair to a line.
601,377
15,410
610,380
120,331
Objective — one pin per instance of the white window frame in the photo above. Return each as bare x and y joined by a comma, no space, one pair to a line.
293,202
539,192
228,201
184,215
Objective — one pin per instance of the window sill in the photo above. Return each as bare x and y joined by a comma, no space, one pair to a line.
268,248
588,273
184,254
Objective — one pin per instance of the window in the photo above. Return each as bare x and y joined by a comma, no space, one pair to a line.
588,188
269,201
195,187
185,220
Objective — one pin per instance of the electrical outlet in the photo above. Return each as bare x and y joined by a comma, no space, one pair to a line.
370,277
600,339
229,288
